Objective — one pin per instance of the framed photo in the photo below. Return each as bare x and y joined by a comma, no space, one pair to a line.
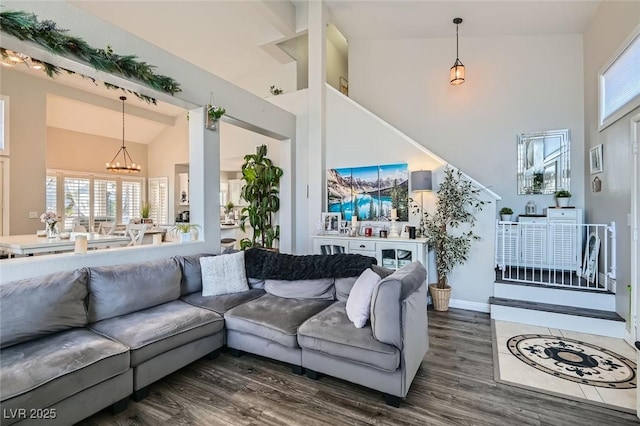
331,223
595,159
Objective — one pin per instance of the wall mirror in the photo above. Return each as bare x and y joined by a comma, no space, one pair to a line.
543,162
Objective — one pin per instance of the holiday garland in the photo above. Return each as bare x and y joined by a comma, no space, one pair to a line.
25,26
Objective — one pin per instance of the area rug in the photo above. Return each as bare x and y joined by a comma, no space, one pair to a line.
578,366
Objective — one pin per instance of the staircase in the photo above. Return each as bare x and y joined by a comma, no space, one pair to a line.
574,309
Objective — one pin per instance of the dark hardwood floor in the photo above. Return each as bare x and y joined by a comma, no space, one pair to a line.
454,386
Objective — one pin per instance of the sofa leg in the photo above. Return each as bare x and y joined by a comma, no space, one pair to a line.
392,400
236,353
297,369
140,394
313,375
119,406
214,354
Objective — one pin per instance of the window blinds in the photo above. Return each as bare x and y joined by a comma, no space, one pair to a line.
620,82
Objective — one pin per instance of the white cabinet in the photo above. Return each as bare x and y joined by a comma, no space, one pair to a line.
235,191
553,241
392,253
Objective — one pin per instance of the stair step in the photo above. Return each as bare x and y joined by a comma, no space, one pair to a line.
578,298
551,286
558,309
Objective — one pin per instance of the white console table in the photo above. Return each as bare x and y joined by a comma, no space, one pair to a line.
392,253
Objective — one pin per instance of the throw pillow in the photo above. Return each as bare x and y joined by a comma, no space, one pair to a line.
223,274
359,301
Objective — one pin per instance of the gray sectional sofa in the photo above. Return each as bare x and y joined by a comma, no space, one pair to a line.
73,343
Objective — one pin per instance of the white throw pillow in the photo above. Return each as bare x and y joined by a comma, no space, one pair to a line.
359,301
223,274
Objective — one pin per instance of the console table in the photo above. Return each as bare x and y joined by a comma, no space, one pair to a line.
392,253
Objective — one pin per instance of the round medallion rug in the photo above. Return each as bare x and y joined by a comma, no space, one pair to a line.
574,360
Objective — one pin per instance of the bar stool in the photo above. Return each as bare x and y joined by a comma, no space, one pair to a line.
227,243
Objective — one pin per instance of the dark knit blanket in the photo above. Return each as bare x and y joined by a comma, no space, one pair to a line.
263,264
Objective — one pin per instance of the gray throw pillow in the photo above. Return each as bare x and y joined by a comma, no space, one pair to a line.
321,289
223,274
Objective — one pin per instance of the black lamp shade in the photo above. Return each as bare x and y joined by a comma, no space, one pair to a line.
421,180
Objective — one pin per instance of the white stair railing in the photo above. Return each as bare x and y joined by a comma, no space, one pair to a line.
557,254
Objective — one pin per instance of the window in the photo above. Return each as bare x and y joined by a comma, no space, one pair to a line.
77,203
620,82
88,200
104,201
131,200
51,192
158,192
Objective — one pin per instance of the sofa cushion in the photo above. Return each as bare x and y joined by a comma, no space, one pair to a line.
223,274
222,303
156,330
343,287
42,372
331,332
121,289
386,300
273,318
35,307
322,288
359,301
191,273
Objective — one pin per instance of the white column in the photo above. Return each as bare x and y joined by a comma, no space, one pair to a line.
317,127
204,172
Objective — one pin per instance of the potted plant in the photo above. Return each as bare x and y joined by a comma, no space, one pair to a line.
228,209
261,190
213,115
562,198
505,214
186,231
144,212
458,201
275,90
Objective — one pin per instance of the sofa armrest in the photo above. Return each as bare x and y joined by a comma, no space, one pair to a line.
388,299
415,335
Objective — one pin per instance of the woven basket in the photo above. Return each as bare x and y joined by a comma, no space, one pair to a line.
440,297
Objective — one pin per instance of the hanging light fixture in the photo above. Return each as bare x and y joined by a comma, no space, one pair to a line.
128,166
457,70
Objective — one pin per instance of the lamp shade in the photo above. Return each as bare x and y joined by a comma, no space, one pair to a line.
421,180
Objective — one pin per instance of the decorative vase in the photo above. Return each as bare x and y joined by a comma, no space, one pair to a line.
562,201
211,123
440,297
505,217
185,237
52,230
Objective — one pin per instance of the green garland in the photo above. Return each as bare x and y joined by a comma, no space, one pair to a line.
25,26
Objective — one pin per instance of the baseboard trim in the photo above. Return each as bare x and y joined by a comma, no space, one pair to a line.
470,306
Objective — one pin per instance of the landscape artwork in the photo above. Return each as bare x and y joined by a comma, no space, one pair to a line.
369,193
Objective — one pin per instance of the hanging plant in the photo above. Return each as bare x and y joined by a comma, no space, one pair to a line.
213,115
275,90
25,26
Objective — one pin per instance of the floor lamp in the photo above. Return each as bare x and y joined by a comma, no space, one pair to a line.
421,181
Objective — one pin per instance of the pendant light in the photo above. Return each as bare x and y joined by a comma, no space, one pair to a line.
128,166
457,70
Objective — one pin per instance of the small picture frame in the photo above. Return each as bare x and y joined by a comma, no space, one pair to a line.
595,159
331,223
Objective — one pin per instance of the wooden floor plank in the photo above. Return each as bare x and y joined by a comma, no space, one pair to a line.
454,386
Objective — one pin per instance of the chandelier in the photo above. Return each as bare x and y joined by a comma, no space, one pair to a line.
11,59
127,166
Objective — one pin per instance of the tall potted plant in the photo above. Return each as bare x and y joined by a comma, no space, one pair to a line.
261,191
458,201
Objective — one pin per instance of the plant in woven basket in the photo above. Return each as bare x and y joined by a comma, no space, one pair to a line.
458,201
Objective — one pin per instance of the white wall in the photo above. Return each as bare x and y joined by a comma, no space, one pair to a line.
514,85
355,137
612,24
337,66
